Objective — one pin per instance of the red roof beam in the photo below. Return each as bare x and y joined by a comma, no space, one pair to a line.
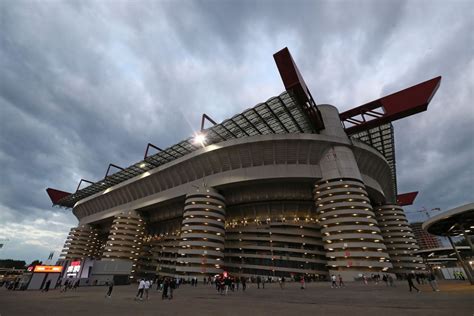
406,198
395,106
56,195
293,80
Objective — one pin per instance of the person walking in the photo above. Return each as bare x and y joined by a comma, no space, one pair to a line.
111,287
165,288
258,281
46,286
147,288
333,281
227,283
433,283
364,278
141,288
244,284
341,283
410,283
390,280
172,287
303,283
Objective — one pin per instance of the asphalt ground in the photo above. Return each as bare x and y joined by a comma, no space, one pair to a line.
455,298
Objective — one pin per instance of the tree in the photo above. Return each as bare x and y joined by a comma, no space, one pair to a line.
10,263
36,262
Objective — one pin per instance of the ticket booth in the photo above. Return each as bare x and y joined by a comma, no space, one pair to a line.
43,274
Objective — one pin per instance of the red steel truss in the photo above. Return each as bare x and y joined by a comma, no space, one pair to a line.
391,107
406,198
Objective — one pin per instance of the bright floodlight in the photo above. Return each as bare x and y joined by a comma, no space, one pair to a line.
199,138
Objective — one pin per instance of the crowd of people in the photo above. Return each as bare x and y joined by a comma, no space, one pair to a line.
226,283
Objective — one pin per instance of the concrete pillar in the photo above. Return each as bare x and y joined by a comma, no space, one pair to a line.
201,249
351,233
399,239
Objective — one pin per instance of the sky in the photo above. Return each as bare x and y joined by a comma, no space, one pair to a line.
88,83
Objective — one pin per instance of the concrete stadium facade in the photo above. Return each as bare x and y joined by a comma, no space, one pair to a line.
280,204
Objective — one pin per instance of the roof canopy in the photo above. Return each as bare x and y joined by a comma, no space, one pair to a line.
456,222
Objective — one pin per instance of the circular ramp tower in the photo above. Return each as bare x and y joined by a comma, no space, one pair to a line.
201,249
399,239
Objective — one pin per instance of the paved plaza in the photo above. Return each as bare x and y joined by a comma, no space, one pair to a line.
455,298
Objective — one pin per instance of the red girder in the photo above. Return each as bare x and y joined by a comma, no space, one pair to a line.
293,81
56,195
406,198
395,106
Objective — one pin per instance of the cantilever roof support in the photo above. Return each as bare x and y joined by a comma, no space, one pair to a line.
108,169
390,108
148,147
206,117
293,81
80,182
406,198
56,195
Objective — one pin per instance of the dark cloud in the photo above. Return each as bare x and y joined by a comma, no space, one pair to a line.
86,83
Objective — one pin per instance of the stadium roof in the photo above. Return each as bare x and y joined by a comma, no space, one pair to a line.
278,115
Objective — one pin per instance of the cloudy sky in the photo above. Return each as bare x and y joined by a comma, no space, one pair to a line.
86,83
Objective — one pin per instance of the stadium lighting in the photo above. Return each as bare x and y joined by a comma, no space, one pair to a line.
199,138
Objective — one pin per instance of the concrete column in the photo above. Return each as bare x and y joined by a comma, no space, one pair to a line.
201,249
351,233
399,239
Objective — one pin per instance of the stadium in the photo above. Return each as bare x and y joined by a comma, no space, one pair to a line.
285,188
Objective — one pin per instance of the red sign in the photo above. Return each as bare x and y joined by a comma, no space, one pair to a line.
75,263
48,269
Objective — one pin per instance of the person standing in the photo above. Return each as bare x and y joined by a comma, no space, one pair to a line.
263,283
111,287
433,283
410,283
258,281
303,283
